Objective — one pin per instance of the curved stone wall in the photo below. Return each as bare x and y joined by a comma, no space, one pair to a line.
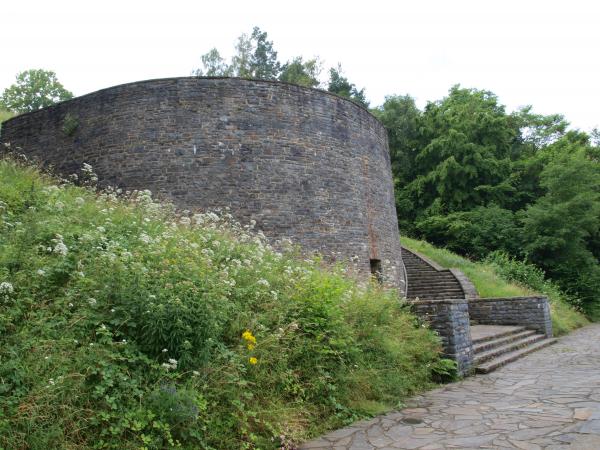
303,163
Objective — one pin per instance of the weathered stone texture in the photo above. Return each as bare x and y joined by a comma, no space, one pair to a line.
450,319
303,163
531,312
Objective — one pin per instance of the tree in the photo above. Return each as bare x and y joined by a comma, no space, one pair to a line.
302,73
34,89
213,65
340,85
263,63
557,229
255,57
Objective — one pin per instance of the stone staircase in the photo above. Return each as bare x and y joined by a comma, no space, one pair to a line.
495,345
427,280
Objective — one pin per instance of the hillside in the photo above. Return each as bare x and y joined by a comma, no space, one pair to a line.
496,278
127,325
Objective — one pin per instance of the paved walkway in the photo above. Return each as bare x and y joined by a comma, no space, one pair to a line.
548,400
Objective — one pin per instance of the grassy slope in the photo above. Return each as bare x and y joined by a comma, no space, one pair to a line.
124,326
489,283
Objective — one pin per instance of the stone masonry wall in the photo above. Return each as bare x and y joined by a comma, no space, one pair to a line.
303,163
530,312
450,318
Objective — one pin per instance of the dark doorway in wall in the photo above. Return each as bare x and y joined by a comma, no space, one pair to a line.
376,270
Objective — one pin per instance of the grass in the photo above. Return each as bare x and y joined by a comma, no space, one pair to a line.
125,324
483,276
499,278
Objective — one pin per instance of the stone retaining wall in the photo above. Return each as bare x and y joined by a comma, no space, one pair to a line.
531,312
450,319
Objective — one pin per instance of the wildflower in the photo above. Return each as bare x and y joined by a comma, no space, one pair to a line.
145,238
41,272
6,288
112,310
59,205
251,346
79,201
196,373
60,249
92,301
185,221
70,305
164,350
101,229
248,337
252,360
263,282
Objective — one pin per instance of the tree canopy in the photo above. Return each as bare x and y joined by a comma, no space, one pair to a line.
33,89
471,177
255,57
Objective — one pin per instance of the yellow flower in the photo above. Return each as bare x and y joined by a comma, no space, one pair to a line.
253,360
247,336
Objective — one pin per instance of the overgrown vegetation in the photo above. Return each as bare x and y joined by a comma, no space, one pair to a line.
126,325
475,179
502,276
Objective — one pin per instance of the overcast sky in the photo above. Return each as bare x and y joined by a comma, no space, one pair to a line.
543,53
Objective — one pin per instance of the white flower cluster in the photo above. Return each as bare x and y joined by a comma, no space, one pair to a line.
170,365
59,246
6,288
87,173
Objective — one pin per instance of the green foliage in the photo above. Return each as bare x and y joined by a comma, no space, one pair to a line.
300,72
70,124
340,85
213,65
474,233
33,89
126,325
255,57
474,179
557,227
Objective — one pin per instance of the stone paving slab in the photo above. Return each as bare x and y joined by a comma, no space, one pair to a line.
548,400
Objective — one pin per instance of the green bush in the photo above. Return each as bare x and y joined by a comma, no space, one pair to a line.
127,325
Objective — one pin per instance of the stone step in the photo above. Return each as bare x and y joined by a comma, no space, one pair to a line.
437,284
503,331
437,297
421,294
493,353
433,276
499,342
434,289
513,356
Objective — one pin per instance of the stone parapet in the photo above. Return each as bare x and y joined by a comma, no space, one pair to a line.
450,319
531,312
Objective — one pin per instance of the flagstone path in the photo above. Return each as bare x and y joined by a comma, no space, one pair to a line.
548,400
